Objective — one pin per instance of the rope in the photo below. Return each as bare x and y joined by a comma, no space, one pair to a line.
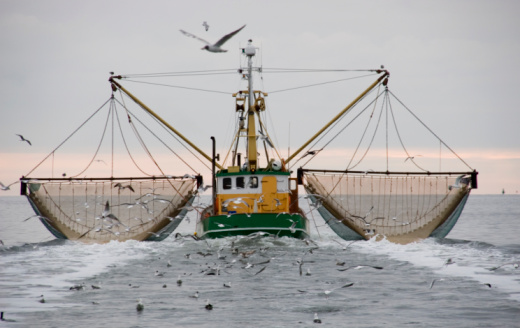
310,70
321,83
99,145
181,87
61,144
183,73
145,148
169,132
339,132
127,149
453,152
398,134
363,136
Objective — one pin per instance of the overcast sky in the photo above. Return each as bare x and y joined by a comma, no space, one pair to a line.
453,62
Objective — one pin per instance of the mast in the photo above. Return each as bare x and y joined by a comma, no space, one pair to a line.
251,128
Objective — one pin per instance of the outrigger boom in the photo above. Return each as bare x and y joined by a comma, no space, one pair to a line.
140,103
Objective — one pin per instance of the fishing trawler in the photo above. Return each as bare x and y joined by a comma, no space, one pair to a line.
260,198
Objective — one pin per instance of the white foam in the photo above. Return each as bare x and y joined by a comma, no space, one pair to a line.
469,262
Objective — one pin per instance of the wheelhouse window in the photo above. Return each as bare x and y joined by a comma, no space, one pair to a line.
241,183
226,183
253,182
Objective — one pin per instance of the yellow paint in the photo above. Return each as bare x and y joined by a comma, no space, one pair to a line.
267,201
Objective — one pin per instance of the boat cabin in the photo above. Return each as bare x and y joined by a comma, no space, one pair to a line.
258,192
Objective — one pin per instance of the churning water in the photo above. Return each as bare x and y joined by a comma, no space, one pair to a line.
100,285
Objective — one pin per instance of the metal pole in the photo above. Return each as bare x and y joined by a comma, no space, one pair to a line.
162,121
213,177
339,115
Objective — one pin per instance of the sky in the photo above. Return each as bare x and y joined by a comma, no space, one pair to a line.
452,62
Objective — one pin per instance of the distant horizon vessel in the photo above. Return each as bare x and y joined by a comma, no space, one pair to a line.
254,198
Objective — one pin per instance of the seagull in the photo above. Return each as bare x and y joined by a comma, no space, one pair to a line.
203,188
448,262
340,263
515,265
457,182
433,282
327,292
300,264
316,318
357,267
4,187
292,228
120,186
262,269
222,225
206,26
23,139
411,157
265,138
37,216
217,46
100,161
208,305
237,200
311,152
140,305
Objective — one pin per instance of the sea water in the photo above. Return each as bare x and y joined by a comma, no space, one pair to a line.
415,287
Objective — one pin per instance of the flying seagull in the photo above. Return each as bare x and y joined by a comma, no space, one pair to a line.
265,138
23,139
4,187
457,182
206,26
217,46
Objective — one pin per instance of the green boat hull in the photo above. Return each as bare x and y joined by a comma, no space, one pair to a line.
278,224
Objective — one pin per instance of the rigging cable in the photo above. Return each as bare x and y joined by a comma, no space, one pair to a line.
180,87
61,144
126,146
100,142
182,73
340,131
157,137
150,154
321,83
430,131
364,132
398,134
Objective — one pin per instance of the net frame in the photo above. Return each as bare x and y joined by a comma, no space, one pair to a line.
138,208
399,206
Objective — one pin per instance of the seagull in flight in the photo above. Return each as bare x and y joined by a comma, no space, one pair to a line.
120,186
265,138
311,152
206,26
217,46
4,187
23,139
458,182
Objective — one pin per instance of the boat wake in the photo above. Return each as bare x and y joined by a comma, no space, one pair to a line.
450,259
